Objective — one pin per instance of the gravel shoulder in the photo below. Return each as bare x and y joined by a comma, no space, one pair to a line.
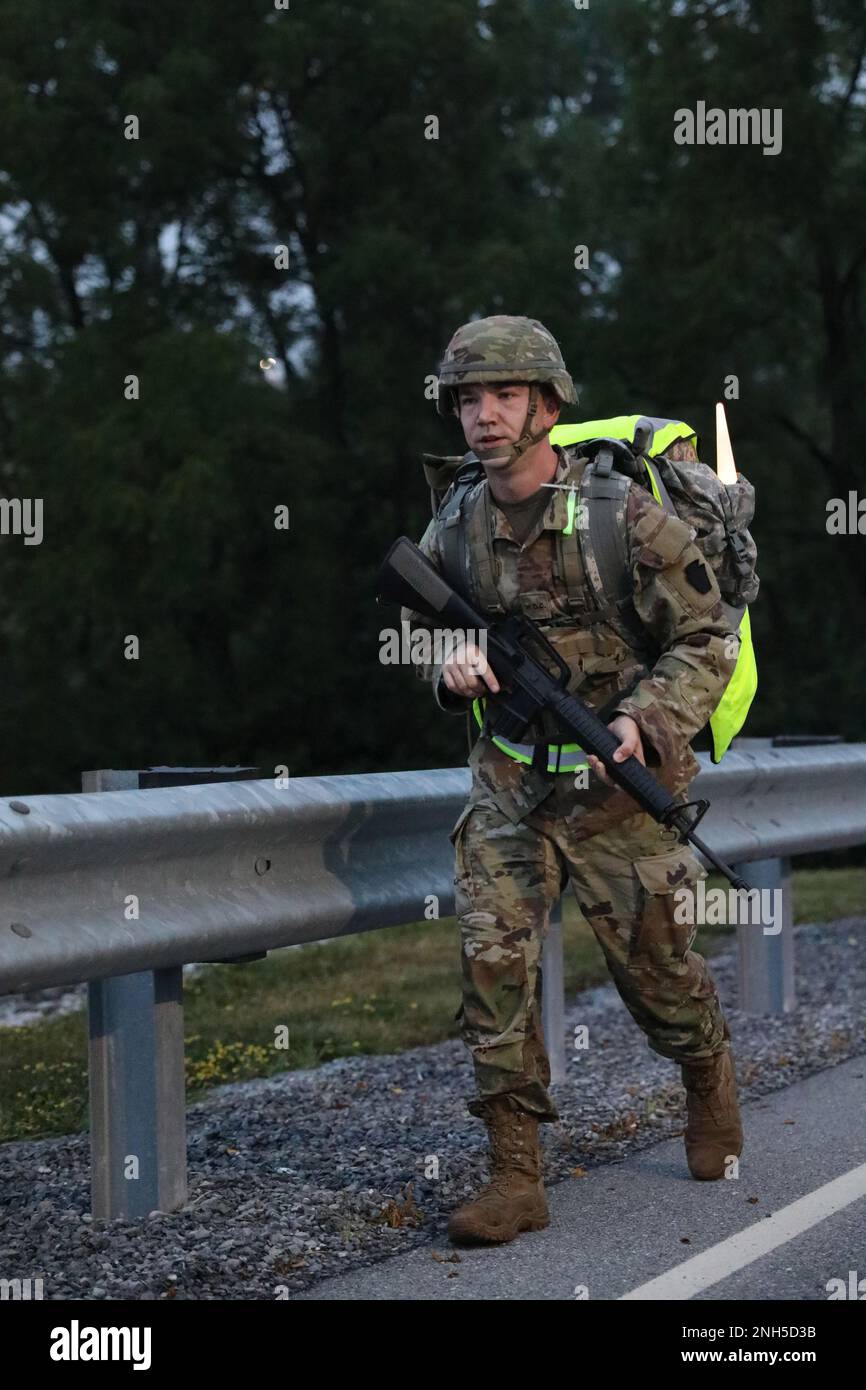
307,1175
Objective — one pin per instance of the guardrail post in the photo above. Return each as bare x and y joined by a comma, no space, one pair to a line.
766,959
137,1092
553,995
136,1058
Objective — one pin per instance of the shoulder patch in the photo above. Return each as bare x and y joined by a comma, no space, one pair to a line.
697,575
659,538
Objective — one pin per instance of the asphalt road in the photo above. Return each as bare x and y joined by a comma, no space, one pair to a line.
794,1219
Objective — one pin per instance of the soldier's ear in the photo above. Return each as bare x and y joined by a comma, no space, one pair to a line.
552,402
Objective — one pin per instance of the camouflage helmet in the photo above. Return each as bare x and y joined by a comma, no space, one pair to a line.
505,347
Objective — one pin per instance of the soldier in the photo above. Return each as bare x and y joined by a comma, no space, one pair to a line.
537,817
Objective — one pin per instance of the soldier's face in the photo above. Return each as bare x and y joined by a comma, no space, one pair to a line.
494,417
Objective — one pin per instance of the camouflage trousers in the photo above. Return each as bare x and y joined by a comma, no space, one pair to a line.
624,878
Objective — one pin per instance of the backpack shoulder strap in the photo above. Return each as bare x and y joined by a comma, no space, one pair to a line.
604,499
464,530
568,550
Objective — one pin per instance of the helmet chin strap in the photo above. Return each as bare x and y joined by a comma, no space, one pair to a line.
528,437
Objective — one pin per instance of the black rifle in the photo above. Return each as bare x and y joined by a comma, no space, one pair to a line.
533,677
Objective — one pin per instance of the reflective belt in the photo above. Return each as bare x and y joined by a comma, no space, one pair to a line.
561,757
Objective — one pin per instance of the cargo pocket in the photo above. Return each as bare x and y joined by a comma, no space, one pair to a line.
666,897
462,883
463,886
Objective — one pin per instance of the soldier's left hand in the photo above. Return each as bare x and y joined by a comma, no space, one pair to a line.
628,733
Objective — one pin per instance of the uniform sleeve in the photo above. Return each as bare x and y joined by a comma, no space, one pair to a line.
432,670
677,599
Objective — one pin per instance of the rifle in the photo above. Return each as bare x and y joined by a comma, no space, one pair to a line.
533,677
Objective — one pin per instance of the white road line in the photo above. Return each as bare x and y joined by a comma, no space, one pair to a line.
702,1271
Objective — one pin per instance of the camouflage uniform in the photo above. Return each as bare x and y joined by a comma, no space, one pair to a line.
525,832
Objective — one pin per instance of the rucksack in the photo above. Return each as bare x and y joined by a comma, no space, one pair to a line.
719,513
623,451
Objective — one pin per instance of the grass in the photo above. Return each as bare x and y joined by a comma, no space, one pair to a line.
376,993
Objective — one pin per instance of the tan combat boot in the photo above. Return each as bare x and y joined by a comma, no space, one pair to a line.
714,1132
513,1200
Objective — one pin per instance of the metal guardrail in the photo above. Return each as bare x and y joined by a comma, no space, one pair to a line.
134,884
215,871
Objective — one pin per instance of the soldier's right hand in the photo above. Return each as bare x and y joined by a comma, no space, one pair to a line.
467,673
